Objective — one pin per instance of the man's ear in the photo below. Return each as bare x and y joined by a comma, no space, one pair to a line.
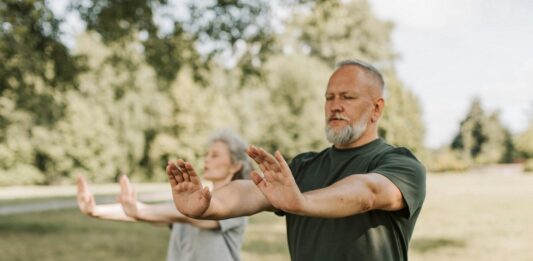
377,110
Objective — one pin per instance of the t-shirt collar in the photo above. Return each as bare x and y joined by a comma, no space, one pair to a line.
357,150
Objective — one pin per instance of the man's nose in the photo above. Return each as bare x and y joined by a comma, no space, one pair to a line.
335,106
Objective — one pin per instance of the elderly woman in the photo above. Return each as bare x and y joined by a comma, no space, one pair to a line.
190,239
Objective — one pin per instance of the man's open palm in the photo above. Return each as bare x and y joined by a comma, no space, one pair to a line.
276,183
190,197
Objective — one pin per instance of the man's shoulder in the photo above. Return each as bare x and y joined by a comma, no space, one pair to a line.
387,148
386,152
400,151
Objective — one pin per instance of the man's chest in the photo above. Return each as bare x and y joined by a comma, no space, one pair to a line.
326,171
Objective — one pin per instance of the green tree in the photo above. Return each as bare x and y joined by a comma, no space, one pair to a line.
524,146
238,30
36,69
524,141
35,65
196,112
482,138
107,119
338,30
296,87
17,155
402,123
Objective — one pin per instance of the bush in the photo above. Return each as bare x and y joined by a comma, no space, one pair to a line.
21,174
445,160
528,165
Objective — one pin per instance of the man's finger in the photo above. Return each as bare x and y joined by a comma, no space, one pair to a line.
282,163
269,161
255,155
256,178
193,176
251,151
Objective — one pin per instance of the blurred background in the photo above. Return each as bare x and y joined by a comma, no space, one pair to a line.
108,87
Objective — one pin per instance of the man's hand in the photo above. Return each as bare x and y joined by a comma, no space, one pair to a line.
128,198
190,197
276,183
85,197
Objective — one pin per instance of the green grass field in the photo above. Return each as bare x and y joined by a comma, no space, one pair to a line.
465,217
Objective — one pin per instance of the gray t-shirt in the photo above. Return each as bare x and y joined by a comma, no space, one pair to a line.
188,243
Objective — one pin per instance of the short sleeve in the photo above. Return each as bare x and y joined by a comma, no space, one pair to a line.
402,168
230,223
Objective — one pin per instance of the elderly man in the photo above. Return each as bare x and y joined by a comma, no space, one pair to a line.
356,200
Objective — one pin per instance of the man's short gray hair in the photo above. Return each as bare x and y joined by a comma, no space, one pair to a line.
373,71
237,148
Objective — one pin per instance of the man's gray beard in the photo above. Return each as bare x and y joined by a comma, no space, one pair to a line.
347,134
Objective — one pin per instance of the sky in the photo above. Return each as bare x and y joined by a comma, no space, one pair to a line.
451,51
454,50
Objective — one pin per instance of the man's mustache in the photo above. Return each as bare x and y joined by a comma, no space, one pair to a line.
338,116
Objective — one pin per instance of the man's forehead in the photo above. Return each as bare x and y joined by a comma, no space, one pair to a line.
350,79
344,85
344,88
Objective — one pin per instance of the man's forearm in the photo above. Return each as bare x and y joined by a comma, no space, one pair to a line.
350,196
338,200
238,198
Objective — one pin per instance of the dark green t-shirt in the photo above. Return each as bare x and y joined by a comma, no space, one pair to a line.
374,235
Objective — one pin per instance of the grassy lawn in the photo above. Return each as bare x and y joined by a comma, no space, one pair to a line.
465,217
67,235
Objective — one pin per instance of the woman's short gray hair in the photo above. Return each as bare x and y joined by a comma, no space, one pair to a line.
237,148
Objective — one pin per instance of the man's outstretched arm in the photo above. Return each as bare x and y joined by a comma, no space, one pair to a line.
352,195
238,198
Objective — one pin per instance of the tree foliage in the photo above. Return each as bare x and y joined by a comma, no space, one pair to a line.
524,142
133,94
402,119
482,137
336,30
35,65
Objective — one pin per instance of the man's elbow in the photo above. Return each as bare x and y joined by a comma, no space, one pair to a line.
394,202
391,201
368,203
